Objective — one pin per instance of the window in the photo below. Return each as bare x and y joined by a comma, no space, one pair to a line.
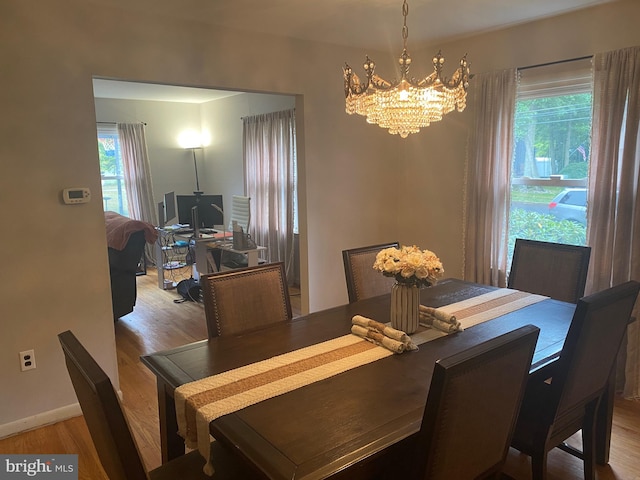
114,195
550,161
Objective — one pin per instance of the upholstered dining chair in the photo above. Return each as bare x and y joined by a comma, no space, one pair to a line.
245,298
472,406
563,398
112,436
362,280
556,270
468,420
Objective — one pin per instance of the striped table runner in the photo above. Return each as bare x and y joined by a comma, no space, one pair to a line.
200,402
499,302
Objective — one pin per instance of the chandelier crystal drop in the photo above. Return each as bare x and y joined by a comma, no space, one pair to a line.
407,105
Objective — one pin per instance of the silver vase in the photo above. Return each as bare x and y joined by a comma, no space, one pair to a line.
405,303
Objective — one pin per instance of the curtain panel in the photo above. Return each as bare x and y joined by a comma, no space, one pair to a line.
487,179
613,212
269,143
137,176
137,172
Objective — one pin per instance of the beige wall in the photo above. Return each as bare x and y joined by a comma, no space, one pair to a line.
359,185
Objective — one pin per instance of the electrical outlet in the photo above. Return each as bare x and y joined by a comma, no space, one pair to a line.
27,360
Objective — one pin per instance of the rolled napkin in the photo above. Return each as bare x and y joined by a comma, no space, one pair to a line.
378,338
439,314
387,331
433,322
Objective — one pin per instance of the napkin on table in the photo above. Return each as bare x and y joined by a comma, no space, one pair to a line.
438,319
378,338
395,340
386,330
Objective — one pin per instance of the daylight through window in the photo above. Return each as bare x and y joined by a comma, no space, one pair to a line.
114,195
550,162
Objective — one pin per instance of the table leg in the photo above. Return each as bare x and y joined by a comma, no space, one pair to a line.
171,444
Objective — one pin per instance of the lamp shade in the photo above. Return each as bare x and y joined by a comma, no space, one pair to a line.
190,139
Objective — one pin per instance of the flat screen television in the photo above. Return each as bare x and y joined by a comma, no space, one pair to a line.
208,217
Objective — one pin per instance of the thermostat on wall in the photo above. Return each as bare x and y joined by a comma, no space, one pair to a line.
76,195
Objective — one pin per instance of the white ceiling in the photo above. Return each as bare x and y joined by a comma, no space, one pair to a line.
366,24
156,92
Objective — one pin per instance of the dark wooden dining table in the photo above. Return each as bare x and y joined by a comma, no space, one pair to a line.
330,428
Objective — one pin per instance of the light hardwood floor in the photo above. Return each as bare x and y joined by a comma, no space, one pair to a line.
158,323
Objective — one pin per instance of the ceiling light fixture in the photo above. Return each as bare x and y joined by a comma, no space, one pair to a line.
406,106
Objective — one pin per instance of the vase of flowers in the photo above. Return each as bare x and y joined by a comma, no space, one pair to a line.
412,269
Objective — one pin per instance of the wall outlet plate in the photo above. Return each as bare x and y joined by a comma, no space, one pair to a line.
27,360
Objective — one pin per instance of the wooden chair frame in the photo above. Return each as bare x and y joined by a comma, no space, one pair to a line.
111,434
563,398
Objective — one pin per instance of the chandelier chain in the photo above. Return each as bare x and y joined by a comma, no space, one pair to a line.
405,29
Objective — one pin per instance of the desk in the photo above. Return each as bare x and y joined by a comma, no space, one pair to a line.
201,246
320,430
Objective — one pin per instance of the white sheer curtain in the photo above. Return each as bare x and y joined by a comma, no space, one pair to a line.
487,182
614,198
137,172
270,168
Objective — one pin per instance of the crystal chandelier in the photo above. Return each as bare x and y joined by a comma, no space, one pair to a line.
406,106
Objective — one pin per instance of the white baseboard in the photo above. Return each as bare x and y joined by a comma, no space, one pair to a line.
42,419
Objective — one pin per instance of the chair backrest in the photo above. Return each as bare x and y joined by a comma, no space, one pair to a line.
102,412
472,407
362,280
245,298
240,212
591,346
556,270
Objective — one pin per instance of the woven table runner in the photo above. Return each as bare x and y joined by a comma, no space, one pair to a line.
201,401
490,305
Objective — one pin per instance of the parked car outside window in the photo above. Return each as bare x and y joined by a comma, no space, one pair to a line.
570,204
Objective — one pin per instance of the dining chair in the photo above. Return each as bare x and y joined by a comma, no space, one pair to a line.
111,434
555,270
245,298
471,408
563,398
362,280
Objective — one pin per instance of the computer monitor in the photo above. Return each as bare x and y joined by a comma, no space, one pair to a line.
208,217
169,207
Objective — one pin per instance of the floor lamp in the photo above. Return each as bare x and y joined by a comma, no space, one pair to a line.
198,192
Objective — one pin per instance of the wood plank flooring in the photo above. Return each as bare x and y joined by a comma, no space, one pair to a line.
158,323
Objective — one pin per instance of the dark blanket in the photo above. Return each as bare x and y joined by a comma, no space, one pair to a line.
120,228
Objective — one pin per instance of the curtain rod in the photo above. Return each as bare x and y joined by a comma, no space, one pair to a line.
116,123
555,63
